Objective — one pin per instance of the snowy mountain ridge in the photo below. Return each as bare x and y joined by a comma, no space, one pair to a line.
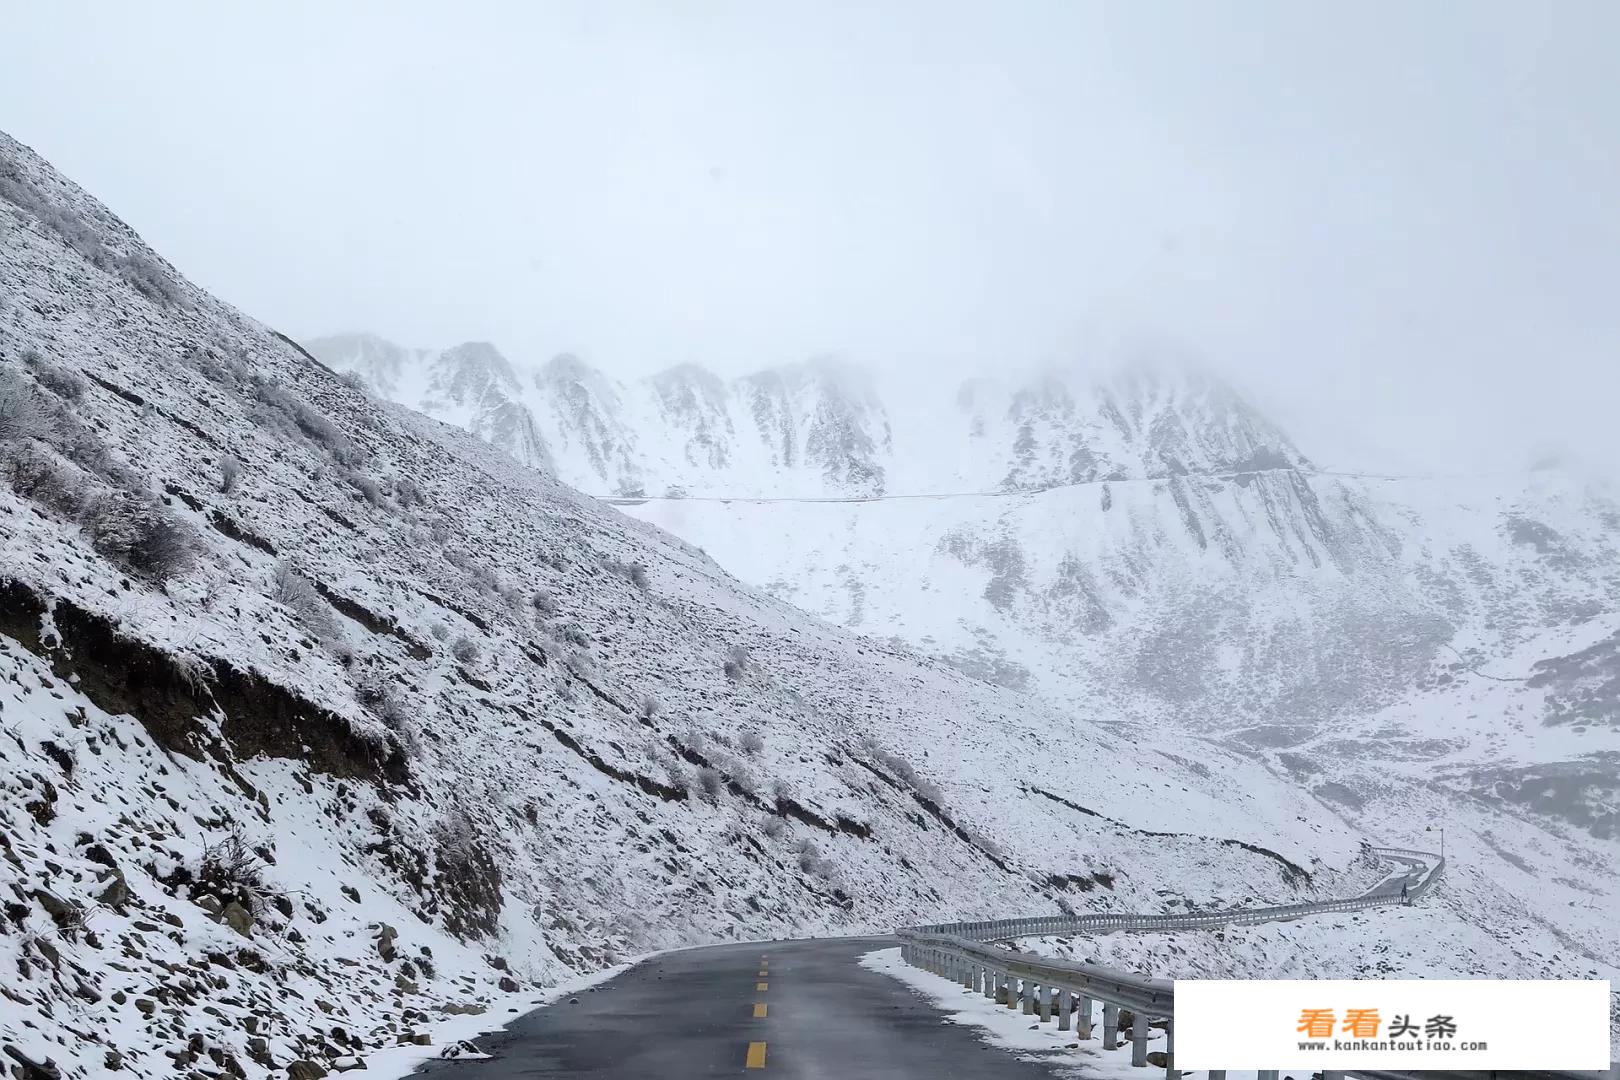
820,428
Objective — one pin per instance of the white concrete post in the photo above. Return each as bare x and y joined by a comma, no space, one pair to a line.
1217,1074
1170,1070
1043,1001
1003,988
989,983
1026,1000
1269,1074
1111,1026
1064,1004
1082,1018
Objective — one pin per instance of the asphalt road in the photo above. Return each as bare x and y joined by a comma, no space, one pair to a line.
696,1014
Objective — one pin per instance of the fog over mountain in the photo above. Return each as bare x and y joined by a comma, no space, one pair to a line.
1391,226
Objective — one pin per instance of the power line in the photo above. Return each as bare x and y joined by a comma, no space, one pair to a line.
1003,493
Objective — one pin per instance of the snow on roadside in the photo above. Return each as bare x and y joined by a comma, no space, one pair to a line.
1020,1035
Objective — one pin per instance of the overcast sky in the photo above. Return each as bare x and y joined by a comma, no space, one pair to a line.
1397,225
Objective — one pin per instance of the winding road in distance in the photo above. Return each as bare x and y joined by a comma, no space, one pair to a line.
798,1010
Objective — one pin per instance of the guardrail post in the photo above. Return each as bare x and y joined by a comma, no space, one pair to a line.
1044,998
1269,1074
1026,1000
1217,1074
1111,1026
989,979
1170,1070
1082,1018
1003,987
1064,999
1139,1038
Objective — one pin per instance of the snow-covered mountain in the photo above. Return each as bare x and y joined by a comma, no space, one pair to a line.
324,726
1152,546
821,428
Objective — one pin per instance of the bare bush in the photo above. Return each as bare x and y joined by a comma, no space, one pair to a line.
408,492
544,602
134,530
368,488
355,381
64,383
439,631
810,858
229,470
774,827
464,649
230,872
150,279
573,634
635,571
737,662
469,876
649,707
35,473
22,414
298,594
384,700
751,743
711,785
481,576
279,409
904,771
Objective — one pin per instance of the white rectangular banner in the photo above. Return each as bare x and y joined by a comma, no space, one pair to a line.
1513,1024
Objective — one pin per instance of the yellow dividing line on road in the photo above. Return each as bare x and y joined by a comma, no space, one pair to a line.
756,1055
759,1010
762,986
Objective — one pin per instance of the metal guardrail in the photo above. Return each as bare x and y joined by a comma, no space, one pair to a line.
1066,989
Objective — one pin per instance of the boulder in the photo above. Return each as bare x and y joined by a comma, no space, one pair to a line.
116,894
304,1069
29,1069
385,943
238,918
210,903
348,1063
62,912
1158,1059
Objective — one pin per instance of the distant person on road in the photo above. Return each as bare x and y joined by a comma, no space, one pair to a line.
1404,899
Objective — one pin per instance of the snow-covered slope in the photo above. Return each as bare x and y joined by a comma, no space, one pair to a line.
321,721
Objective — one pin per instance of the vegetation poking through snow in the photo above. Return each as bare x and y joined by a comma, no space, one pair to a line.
229,470
298,594
135,531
